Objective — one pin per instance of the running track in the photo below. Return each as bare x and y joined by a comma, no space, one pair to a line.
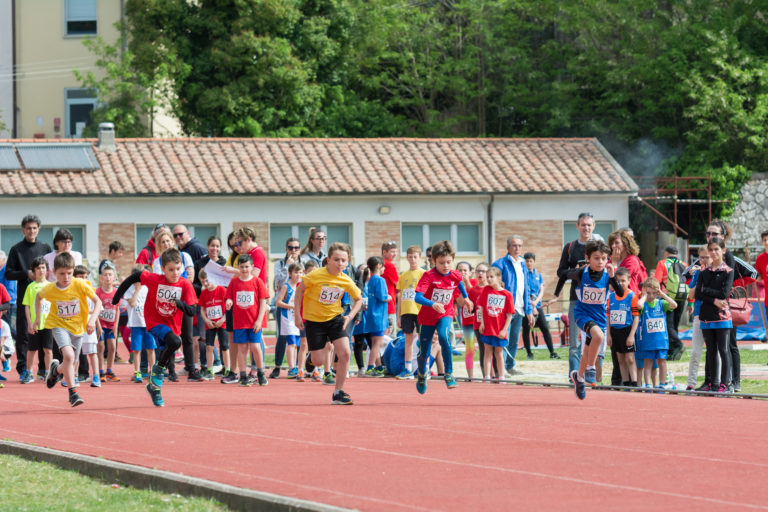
479,447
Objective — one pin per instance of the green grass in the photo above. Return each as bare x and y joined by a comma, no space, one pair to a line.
41,486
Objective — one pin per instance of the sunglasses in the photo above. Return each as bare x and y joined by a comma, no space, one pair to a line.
319,238
238,244
178,235
294,247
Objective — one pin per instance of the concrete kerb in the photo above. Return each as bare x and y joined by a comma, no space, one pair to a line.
164,481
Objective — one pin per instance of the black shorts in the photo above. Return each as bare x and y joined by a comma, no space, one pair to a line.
409,323
41,339
210,338
199,329
619,340
320,333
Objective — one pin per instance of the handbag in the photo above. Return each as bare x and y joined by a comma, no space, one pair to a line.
740,306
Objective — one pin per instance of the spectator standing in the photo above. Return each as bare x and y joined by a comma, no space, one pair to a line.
314,248
187,244
10,285
148,254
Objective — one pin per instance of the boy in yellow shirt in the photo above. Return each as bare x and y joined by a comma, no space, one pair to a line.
407,309
68,320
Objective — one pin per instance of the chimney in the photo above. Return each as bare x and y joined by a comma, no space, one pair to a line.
107,137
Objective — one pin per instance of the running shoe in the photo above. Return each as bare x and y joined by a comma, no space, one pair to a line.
75,400
421,383
705,387
404,375
2,378
137,378
156,377
120,360
316,376
578,385
172,377
722,389
530,357
41,374
26,377
328,379
252,378
262,378
300,375
590,377
111,377
554,355
208,374
736,386
52,379
275,373
221,372
6,366
244,382
361,372
230,378
95,382
194,376
2,385
154,393
689,388
293,373
450,382
341,398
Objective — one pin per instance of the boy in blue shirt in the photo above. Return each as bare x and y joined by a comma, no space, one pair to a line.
652,341
376,318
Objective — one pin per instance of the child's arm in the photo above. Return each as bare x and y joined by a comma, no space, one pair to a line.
36,325
299,299
422,300
135,297
480,326
30,326
505,330
263,308
280,296
208,323
632,331
131,279
672,303
91,325
397,307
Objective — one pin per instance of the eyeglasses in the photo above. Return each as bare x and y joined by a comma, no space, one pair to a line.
178,235
713,233
238,244
294,247
319,238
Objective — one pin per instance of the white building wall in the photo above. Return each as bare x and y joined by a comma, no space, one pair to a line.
6,69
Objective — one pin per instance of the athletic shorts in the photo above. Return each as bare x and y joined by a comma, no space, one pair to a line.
320,333
89,347
376,333
64,338
619,340
642,355
141,339
243,336
160,332
292,339
409,323
494,341
210,338
199,329
41,339
108,334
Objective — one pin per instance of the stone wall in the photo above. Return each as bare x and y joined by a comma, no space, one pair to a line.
750,219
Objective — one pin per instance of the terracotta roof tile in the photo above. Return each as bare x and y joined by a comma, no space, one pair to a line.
331,166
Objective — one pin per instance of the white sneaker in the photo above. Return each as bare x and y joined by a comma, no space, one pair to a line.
361,372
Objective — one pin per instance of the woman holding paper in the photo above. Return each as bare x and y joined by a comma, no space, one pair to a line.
214,255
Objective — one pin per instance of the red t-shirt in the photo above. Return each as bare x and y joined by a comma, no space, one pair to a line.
474,296
762,267
259,258
437,288
160,306
391,277
246,297
109,312
465,317
213,303
496,305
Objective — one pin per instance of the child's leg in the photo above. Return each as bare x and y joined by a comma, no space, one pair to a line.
487,357
67,368
622,366
469,354
302,357
697,347
31,360
100,353
591,348
648,371
359,350
48,356
242,354
629,357
209,355
425,338
375,349
136,360
662,370
93,362
328,357
258,359
409,351
498,354
290,352
234,356
110,353
443,333
341,349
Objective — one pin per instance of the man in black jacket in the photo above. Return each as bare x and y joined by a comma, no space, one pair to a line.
18,269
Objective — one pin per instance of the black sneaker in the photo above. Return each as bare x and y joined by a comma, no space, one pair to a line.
222,372
262,379
230,378
530,357
341,398
75,400
244,382
53,375
195,376
554,355
274,374
578,385
172,377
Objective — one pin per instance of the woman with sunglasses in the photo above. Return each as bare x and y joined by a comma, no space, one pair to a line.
292,248
314,248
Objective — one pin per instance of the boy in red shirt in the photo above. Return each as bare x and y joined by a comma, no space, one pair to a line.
212,301
495,310
108,319
169,298
391,276
762,263
435,292
249,297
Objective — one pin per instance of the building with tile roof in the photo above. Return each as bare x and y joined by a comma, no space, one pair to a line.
475,192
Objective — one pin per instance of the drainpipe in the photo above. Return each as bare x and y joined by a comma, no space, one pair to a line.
489,216
14,72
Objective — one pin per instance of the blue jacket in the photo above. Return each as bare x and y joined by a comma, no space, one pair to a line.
509,278
376,318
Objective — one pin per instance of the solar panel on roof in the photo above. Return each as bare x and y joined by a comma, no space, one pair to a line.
8,158
57,156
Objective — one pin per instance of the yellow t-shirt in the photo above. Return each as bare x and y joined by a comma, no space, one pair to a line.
406,288
323,293
69,307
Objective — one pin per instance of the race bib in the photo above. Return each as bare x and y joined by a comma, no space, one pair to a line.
593,295
496,301
108,315
409,294
45,307
330,295
479,315
442,296
245,299
654,325
465,312
618,317
140,309
68,308
213,312
167,293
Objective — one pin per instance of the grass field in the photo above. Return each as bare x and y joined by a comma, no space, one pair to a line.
38,486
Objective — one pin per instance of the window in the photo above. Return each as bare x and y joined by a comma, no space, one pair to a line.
602,228
11,235
464,237
279,233
80,17
79,104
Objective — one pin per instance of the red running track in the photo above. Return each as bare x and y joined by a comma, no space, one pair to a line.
479,447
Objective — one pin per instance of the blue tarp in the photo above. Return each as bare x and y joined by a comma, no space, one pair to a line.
754,330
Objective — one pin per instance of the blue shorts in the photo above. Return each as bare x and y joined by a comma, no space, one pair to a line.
141,339
494,341
108,334
651,354
160,332
376,333
243,336
292,339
